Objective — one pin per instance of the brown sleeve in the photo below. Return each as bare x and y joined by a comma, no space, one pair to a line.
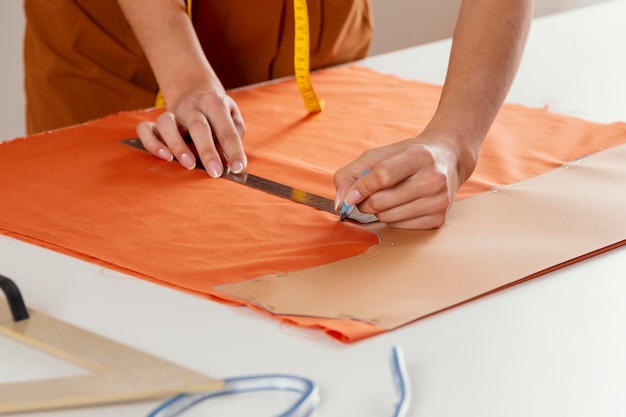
81,62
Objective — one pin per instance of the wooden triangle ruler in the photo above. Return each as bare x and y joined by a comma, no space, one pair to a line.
118,373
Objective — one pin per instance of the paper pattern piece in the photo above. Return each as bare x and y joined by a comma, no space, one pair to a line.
79,192
490,241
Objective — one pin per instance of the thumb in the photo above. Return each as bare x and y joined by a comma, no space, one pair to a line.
345,180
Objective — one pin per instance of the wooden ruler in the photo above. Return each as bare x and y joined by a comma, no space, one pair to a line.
116,372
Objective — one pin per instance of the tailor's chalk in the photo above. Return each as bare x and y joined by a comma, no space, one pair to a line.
346,209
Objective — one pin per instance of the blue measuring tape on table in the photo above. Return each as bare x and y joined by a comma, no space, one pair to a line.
308,390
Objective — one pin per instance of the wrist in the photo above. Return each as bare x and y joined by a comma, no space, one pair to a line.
185,88
459,147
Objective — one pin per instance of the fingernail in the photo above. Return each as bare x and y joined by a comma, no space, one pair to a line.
188,161
165,154
353,197
337,201
215,169
237,167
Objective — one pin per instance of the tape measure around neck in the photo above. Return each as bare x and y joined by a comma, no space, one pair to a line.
301,60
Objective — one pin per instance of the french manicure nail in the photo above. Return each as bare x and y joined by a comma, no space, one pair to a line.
353,197
215,169
337,201
188,161
236,167
165,154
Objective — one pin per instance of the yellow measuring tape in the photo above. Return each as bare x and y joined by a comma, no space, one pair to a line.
300,59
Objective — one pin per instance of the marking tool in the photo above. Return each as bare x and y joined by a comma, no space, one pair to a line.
346,209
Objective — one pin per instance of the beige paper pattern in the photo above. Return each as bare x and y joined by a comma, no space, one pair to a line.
490,241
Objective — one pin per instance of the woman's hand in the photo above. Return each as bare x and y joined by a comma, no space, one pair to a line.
214,123
409,184
198,106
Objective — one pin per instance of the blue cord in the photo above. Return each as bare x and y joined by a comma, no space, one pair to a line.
401,378
309,392
303,407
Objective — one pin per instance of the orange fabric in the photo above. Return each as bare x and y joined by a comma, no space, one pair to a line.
79,192
82,60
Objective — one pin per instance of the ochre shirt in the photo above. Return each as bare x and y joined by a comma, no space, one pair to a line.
82,60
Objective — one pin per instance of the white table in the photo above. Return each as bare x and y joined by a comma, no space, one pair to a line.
553,346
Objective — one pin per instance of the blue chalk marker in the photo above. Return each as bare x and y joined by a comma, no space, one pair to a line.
346,209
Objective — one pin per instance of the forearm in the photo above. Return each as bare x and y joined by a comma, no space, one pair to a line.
171,46
487,47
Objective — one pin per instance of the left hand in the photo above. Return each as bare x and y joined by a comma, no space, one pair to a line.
215,125
410,184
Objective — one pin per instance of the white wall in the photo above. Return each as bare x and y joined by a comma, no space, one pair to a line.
404,23
11,87
399,24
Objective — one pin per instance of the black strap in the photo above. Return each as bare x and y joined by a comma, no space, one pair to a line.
14,298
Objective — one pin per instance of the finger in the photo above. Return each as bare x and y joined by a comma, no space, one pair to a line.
344,178
202,136
151,140
431,206
219,109
426,187
169,129
433,221
385,174
235,114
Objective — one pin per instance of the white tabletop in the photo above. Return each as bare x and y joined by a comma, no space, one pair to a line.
551,346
